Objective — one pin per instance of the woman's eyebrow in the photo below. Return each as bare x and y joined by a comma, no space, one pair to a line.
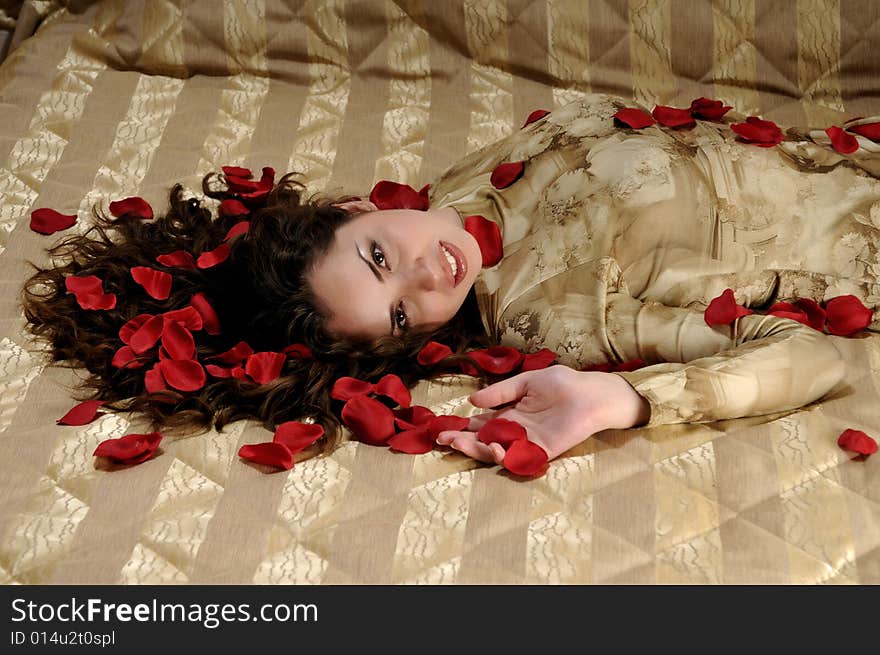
381,279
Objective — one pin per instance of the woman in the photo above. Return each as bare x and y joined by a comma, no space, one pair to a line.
614,241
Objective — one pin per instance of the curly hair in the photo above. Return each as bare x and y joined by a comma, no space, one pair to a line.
260,294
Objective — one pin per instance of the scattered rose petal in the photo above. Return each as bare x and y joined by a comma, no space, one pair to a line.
233,207
298,351
868,130
209,316
221,372
442,423
391,195
263,367
48,221
346,388
525,458
178,259
146,336
268,453
408,418
634,118
135,206
857,441
673,117
177,340
846,315
82,413
630,365
497,359
98,301
183,374
536,115
130,449
125,357
432,353
213,257
723,310
759,132
506,174
130,327
541,359
502,431
488,237
707,109
239,228
237,171
815,313
153,380
156,283
368,419
842,141
188,317
392,386
264,186
787,310
297,436
415,442
86,284
238,353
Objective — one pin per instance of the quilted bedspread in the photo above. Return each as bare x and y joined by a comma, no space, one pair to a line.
118,98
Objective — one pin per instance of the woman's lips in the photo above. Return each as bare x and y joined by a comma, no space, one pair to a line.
460,262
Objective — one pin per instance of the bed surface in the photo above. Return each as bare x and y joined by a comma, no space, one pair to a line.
114,99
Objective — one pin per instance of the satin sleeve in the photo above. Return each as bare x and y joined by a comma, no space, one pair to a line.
760,364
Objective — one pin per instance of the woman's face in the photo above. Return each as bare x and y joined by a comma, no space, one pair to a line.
388,271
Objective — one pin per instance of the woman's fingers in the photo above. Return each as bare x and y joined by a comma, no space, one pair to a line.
501,392
467,443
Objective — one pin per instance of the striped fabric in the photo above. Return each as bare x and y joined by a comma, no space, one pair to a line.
120,97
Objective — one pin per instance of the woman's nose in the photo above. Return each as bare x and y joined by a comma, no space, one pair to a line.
426,274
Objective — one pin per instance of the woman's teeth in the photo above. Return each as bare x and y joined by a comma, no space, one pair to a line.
451,261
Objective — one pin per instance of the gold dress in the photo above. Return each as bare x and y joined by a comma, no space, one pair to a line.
616,240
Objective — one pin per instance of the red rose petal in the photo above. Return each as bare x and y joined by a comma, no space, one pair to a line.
183,374
787,310
631,365
707,109
502,431
759,132
177,340
525,458
846,315
857,441
298,351
188,317
209,316
346,388
221,372
842,141
408,418
432,353
673,117
634,118
369,420
146,336
239,228
536,115
263,187
48,221
391,195
213,257
130,449
497,359
815,313
441,423
135,206
867,130
125,357
97,301
392,386
233,207
269,453
723,310
414,442
178,259
541,359
88,284
238,353
130,327
153,380
237,171
156,283
488,237
84,412
263,367
506,174
297,436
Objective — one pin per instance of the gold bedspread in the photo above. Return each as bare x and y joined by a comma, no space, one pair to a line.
120,98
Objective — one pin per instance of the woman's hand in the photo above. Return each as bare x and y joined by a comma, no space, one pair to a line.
558,406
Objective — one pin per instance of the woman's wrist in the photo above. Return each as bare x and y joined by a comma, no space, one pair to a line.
628,408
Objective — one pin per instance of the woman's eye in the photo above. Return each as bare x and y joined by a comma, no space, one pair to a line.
378,255
401,318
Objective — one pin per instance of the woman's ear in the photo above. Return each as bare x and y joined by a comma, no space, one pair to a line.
353,206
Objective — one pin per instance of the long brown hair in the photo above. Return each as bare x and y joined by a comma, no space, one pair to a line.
259,293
